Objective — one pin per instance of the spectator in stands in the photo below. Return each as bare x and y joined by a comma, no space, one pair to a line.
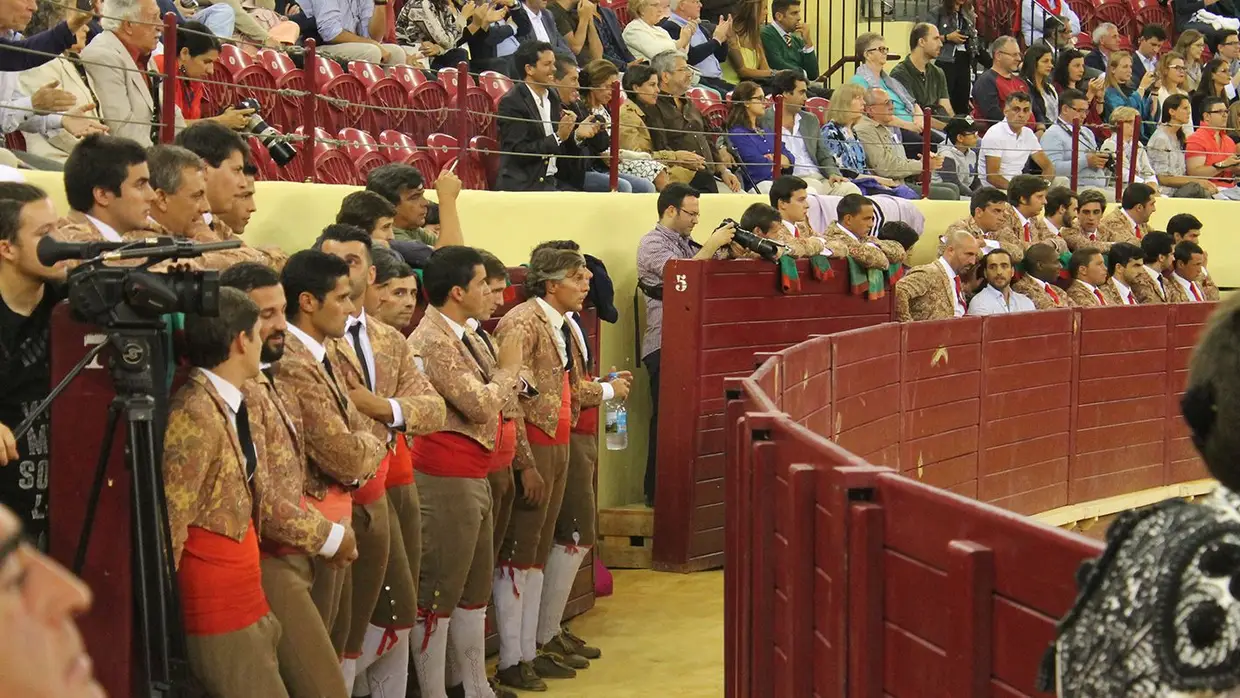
1125,263
1149,48
1008,146
924,79
197,53
754,145
708,45
353,30
1057,142
996,296
1036,71
643,174
1106,42
959,153
239,218
43,651
643,35
1120,93
393,297
1169,79
901,232
1042,269
886,158
957,24
988,223
1088,270
108,185
802,136
594,174
1091,203
220,18
670,239
1152,285
1166,153
1070,73
765,222
67,72
33,51
1128,120
536,23
574,19
840,137
1227,46
641,84
1131,221
934,291
1191,45
1189,260
1060,213
788,45
746,56
872,74
403,188
1216,81
116,61
1209,152
677,125
853,230
437,28
491,47
179,179
993,87
1035,13
370,212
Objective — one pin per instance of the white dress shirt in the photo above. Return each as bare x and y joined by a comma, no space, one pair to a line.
544,113
229,393
1188,287
557,323
540,29
990,301
957,304
803,162
398,415
108,232
1124,292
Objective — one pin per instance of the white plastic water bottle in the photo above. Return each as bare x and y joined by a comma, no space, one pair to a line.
617,424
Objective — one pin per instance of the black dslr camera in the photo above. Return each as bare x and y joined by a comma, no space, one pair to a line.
281,152
760,246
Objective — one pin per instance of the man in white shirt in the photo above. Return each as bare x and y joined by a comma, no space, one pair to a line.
1008,145
108,185
1033,14
1189,259
535,22
1126,266
997,296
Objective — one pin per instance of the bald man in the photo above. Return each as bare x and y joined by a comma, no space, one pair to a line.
935,291
1042,267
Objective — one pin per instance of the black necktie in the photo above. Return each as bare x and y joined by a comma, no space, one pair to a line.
356,331
270,375
247,441
482,334
469,346
568,344
327,366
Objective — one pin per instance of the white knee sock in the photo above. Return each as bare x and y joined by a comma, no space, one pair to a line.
348,667
431,661
558,578
468,641
388,676
370,649
510,590
453,671
531,598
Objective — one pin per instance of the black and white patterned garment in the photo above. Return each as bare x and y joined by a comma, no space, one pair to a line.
1158,614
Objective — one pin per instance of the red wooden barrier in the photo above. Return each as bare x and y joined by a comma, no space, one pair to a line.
717,315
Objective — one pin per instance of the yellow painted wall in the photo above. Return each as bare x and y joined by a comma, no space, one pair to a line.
609,226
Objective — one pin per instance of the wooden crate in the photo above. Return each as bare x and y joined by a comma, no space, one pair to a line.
626,536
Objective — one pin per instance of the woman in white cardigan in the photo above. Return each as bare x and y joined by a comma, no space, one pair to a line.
643,35
65,70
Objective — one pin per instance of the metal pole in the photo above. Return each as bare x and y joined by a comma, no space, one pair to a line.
462,114
779,137
925,154
168,108
1119,161
1076,150
613,165
309,102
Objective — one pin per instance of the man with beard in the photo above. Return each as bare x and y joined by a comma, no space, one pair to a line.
1042,267
378,369
1125,260
393,296
308,663
997,295
1060,214
935,291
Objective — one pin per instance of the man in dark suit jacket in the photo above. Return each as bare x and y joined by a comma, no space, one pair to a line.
708,50
528,12
533,123
1106,41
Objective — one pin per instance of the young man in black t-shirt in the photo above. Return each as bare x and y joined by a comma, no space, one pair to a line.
28,293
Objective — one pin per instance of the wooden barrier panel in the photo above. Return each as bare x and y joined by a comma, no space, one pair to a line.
716,316
865,392
1185,322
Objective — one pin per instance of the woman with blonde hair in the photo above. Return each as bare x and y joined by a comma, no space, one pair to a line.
1170,76
643,35
1191,45
1119,91
847,108
1128,118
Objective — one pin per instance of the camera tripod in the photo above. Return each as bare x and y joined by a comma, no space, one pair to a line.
141,391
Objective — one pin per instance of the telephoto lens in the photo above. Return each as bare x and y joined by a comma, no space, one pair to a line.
758,245
280,150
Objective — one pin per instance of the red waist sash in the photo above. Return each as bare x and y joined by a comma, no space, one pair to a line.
221,584
505,445
377,486
562,428
401,471
450,454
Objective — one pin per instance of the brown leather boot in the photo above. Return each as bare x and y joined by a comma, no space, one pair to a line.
522,677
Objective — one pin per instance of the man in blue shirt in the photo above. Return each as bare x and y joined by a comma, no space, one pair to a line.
708,48
347,30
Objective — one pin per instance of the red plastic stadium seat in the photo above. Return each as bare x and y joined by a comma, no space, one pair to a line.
483,167
267,168
346,97
363,150
331,164
251,80
395,145
818,107
442,148
451,81
426,165
287,76
383,92
1117,12
495,84
427,99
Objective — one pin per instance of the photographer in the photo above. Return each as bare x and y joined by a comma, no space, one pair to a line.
198,52
670,239
28,293
765,222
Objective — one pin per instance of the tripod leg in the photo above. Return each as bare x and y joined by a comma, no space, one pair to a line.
96,488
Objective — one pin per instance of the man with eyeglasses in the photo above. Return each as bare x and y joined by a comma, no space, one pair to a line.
1210,153
992,88
1007,146
1057,142
1227,47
